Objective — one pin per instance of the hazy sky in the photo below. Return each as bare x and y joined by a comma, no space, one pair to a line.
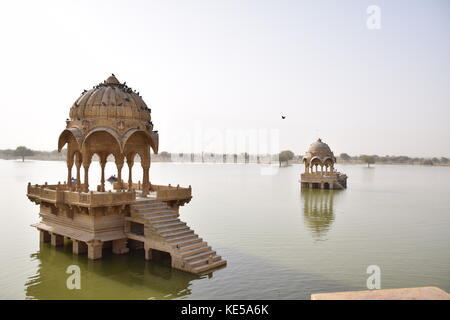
212,68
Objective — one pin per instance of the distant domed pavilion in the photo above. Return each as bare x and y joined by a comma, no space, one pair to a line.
319,173
112,119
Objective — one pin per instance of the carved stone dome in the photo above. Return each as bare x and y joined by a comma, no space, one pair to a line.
319,149
110,99
111,118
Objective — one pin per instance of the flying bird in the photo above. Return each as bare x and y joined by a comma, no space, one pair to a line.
283,117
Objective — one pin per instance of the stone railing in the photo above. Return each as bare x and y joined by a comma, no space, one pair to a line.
169,193
60,194
163,193
320,174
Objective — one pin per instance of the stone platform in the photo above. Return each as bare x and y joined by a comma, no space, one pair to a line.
420,293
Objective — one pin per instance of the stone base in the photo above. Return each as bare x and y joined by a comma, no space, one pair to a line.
120,246
95,249
57,240
79,247
421,293
148,254
44,236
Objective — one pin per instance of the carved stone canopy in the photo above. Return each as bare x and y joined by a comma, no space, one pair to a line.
110,118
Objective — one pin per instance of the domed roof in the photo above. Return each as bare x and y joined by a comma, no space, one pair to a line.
319,149
110,99
319,146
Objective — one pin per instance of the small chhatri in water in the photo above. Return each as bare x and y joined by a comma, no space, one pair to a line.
319,172
113,119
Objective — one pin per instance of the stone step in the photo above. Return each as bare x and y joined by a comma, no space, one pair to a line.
175,231
186,243
159,217
154,204
209,266
182,237
136,219
146,202
154,214
164,221
200,262
151,209
192,246
170,226
182,232
187,253
199,256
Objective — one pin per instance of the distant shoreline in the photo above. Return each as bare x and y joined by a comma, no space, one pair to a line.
240,162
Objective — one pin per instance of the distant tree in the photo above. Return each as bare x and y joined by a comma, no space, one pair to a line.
427,162
8,153
23,152
246,157
345,157
367,159
235,156
285,156
164,155
444,160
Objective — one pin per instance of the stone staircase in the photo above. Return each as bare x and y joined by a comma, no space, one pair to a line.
338,186
164,231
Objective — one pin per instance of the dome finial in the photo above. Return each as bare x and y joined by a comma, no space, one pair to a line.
112,79
320,140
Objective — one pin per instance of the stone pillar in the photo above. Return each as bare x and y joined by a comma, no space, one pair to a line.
120,246
145,179
130,163
86,177
57,240
78,162
78,247
321,185
69,173
119,176
44,236
119,165
78,178
102,179
95,249
86,157
148,253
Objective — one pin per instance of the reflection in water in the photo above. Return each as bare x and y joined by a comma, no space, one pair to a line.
109,278
318,210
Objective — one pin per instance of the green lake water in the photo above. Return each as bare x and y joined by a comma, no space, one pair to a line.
280,242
